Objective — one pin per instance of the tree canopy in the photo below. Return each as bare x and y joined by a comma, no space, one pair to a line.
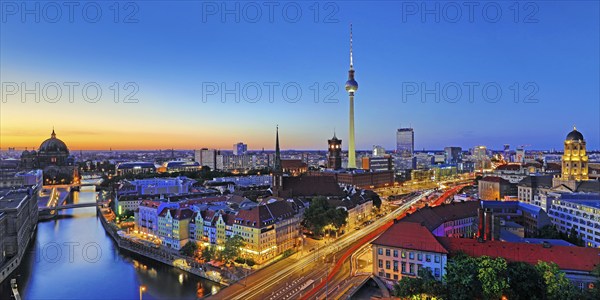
189,248
231,249
320,214
492,278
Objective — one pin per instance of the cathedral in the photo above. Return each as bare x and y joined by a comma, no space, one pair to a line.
53,158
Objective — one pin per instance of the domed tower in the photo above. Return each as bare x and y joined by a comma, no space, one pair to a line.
575,159
351,87
52,151
334,158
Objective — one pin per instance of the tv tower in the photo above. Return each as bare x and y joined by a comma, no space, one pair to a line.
351,87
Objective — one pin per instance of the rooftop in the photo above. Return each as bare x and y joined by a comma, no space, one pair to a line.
537,181
11,199
408,235
433,217
566,257
131,165
494,179
311,186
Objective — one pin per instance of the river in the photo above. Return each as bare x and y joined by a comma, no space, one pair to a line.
72,257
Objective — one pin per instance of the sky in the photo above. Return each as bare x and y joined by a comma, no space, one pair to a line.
192,74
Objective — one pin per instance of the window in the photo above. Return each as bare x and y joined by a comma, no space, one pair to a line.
403,254
380,263
420,256
395,276
411,268
437,258
403,267
387,275
387,264
380,251
387,252
428,258
395,253
411,255
395,266
437,272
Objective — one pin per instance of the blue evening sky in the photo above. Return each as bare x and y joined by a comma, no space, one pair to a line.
548,54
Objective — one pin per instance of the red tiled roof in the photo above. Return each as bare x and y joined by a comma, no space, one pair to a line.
566,257
293,163
264,215
178,214
409,235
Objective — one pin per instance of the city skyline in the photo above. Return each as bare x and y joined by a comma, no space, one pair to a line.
388,148
177,111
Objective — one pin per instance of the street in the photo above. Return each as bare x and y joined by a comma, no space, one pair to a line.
293,277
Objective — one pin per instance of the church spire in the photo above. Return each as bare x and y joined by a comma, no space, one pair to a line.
277,151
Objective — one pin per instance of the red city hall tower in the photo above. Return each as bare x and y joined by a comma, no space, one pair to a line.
334,160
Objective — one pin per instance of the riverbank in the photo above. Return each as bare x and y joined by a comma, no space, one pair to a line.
169,258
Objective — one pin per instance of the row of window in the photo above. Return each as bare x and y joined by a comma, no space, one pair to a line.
413,269
411,255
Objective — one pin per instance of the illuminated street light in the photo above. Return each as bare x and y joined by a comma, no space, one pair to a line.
142,289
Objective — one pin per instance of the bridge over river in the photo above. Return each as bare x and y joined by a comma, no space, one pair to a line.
67,206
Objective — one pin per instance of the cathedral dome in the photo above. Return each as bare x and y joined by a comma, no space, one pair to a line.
574,135
53,145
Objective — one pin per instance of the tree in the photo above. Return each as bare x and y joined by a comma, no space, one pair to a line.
416,287
408,287
575,238
550,232
338,217
208,253
492,275
524,281
127,214
231,249
376,200
461,278
556,283
189,248
316,215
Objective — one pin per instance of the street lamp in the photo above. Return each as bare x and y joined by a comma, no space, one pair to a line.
142,289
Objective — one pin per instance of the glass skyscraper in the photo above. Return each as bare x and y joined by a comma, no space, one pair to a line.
405,142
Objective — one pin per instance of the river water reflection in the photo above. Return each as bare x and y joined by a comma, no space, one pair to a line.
73,258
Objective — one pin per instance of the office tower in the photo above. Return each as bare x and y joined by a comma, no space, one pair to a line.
405,142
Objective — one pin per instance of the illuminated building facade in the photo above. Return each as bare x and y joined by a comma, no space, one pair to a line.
575,159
